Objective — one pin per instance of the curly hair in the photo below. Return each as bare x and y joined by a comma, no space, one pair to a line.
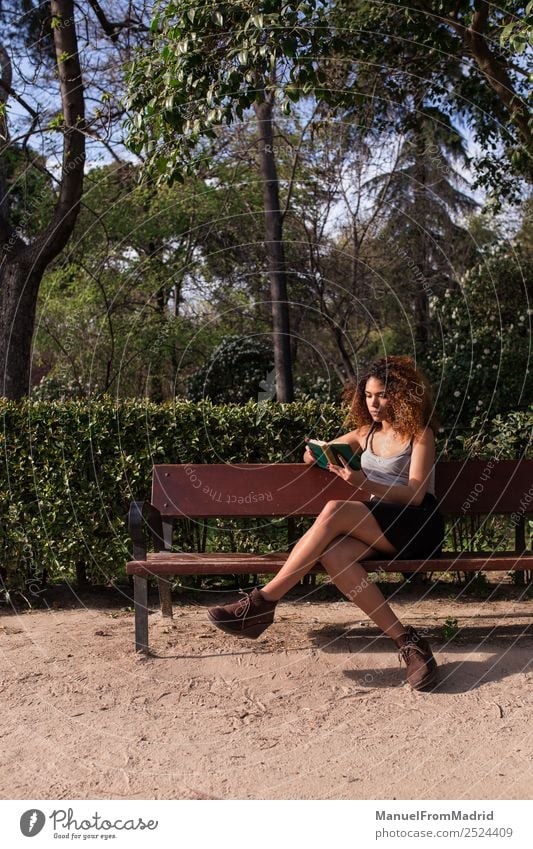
409,393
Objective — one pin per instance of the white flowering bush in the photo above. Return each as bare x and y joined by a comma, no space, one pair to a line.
482,363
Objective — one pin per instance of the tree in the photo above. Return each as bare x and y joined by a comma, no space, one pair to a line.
425,199
525,234
330,226
50,134
23,262
235,372
453,47
482,364
121,285
206,67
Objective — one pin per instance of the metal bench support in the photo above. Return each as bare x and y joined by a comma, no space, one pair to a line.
140,601
165,597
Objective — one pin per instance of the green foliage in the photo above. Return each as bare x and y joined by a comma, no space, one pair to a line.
429,43
70,470
450,629
509,436
239,369
206,66
518,32
482,362
311,387
121,286
381,65
31,197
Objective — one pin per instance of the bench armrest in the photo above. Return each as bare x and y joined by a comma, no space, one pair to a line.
143,516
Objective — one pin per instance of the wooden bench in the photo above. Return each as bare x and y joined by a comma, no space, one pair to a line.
464,488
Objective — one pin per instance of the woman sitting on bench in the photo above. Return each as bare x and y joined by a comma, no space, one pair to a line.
392,408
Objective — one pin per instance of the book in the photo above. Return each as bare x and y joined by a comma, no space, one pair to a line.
329,452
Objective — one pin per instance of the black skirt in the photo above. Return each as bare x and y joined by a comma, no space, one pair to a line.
417,533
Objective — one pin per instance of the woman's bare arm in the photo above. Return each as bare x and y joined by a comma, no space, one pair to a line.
355,438
422,461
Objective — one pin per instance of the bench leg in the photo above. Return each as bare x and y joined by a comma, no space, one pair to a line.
165,597
140,602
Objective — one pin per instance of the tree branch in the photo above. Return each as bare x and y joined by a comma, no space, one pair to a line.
496,74
10,241
5,90
8,91
493,69
295,165
480,17
66,353
56,235
113,28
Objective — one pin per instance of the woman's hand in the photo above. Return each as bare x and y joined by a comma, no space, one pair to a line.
355,477
309,457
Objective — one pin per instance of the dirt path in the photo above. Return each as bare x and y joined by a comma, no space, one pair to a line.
316,708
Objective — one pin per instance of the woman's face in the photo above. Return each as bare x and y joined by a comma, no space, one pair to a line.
376,399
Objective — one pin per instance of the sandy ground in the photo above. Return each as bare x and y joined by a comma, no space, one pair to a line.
316,708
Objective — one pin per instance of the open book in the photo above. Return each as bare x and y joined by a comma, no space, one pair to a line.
329,452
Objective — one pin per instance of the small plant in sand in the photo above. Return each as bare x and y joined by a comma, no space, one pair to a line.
450,629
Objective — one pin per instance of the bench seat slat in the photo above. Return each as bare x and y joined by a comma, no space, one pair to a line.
239,563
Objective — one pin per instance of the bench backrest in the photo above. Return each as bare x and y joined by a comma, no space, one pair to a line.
285,489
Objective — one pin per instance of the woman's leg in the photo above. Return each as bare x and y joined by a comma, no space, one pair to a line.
344,519
340,560
338,518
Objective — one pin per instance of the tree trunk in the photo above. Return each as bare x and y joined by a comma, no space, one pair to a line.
5,87
23,265
275,253
345,356
18,301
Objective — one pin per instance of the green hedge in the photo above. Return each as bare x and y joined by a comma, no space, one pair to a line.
70,470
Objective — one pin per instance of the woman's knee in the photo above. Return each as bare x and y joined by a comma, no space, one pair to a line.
332,551
335,509
329,509
342,551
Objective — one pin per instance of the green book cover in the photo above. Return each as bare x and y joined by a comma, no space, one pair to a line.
329,452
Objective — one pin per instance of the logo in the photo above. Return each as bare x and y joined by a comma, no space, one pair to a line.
31,822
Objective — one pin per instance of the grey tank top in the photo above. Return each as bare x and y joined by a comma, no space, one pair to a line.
390,470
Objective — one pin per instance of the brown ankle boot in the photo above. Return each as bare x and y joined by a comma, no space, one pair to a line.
248,617
415,651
